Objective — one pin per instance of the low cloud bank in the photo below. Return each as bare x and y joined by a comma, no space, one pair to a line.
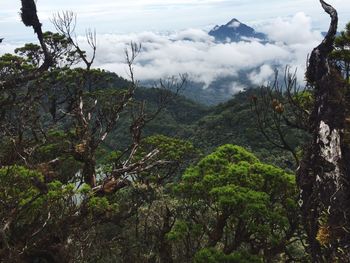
194,52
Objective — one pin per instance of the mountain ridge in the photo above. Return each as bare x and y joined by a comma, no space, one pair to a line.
235,31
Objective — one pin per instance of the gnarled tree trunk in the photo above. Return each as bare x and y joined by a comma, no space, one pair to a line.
323,175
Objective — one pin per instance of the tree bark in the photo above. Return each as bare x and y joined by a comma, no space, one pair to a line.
323,175
216,234
165,247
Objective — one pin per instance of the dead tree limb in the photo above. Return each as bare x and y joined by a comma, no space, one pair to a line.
30,18
323,175
65,24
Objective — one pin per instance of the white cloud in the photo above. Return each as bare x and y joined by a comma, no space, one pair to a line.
201,58
194,52
294,30
236,87
262,76
193,34
9,47
234,24
138,15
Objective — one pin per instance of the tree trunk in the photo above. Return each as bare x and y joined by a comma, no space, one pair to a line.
89,171
165,247
216,234
323,175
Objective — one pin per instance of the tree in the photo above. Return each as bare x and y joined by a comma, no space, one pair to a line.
321,110
238,205
282,113
56,197
341,52
323,175
147,210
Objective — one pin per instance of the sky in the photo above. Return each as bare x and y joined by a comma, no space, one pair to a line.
126,16
164,28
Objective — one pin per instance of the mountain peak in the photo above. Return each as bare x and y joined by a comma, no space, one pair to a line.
234,23
235,31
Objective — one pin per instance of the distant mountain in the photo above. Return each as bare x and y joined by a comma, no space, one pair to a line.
235,31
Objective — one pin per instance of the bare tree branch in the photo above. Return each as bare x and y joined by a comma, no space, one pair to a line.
65,23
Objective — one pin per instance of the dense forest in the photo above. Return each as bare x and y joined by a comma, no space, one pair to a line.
97,168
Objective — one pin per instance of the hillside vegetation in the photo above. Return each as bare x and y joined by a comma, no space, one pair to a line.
96,168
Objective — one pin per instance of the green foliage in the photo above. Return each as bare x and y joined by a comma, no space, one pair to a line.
11,65
235,191
171,148
341,52
101,204
182,229
305,100
26,198
17,188
179,230
214,256
234,122
228,207
61,50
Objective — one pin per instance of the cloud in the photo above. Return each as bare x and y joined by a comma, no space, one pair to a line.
262,75
193,34
194,52
236,87
191,51
8,47
294,30
138,15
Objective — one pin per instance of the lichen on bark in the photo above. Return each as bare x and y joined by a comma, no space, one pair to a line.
323,176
